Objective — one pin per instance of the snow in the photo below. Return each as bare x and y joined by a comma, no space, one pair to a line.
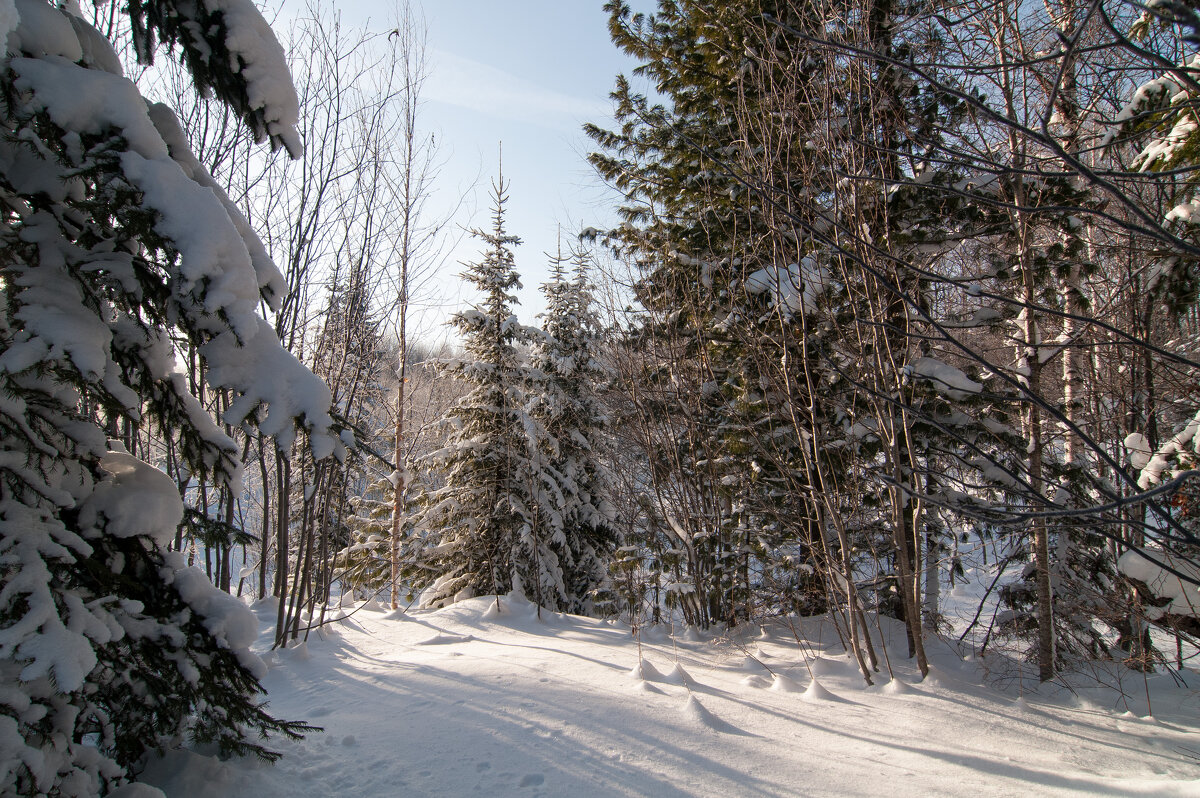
1160,93
1157,94
1168,454
1147,567
794,288
947,379
135,499
1139,450
55,320
215,267
136,790
263,65
98,53
517,704
223,269
270,282
8,17
264,373
42,30
226,618
89,100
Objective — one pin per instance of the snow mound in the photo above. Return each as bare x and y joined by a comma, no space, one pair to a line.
938,678
897,687
187,773
817,692
756,681
652,634
696,712
677,675
645,672
822,666
136,790
444,640
510,606
784,684
752,664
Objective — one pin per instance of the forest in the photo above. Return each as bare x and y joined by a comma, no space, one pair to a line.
897,298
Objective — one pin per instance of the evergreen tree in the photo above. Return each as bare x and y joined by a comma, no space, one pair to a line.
365,565
119,250
496,525
566,362
726,448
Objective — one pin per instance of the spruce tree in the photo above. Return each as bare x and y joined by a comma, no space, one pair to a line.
495,526
120,251
567,366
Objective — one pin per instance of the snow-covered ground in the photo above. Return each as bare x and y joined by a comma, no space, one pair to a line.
472,701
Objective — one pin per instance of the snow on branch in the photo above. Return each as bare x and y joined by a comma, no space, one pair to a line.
222,269
231,51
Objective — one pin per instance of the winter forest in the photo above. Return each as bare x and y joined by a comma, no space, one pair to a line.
855,442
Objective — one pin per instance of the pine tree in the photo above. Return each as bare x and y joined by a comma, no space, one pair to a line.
120,249
495,526
566,362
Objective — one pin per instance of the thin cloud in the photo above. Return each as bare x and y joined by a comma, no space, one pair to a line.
464,83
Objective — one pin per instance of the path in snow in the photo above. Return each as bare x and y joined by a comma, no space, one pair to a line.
464,701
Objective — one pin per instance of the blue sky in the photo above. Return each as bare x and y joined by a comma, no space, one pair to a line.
527,73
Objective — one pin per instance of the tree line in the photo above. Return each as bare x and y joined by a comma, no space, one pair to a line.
912,275
898,289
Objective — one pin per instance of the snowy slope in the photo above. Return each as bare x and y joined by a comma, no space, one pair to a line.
468,701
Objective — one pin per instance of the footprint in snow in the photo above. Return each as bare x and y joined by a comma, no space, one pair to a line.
533,780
